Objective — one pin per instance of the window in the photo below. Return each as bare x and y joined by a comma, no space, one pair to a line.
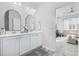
70,24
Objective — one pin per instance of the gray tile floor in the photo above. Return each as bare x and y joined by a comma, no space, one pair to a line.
63,49
39,52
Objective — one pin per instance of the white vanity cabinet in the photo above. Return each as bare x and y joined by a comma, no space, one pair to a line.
18,44
24,44
36,40
0,47
10,46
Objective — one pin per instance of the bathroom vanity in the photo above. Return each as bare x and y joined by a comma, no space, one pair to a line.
18,35
19,43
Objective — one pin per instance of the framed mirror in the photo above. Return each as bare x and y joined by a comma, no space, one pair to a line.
12,20
30,22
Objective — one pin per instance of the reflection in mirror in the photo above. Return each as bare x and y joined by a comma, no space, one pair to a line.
30,23
12,20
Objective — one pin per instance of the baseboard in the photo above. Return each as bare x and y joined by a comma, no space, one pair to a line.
48,49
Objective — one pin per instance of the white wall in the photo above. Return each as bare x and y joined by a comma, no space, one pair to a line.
47,16
60,25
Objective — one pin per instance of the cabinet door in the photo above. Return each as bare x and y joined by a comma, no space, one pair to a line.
10,46
0,46
78,47
36,40
24,44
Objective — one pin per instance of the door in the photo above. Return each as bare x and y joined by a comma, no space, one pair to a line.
10,46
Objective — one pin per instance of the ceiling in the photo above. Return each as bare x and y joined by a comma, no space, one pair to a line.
36,4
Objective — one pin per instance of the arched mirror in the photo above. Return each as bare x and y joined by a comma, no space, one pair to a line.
30,22
12,20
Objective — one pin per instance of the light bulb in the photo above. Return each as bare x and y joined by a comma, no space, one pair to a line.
15,2
19,4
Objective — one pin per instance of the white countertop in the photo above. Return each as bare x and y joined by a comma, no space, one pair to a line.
17,34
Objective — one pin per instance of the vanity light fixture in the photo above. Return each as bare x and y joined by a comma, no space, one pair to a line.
15,2
18,3
28,8
33,10
72,9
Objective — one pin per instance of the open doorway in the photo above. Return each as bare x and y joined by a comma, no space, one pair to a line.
67,28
